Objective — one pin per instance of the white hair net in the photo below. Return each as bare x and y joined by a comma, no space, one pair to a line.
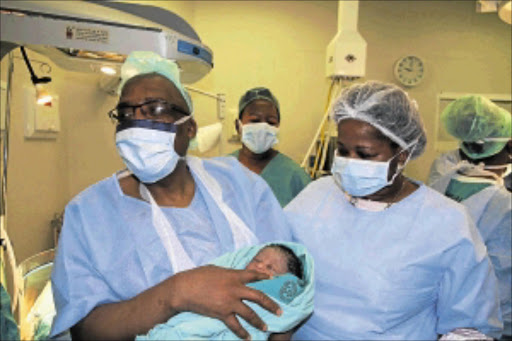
386,107
144,62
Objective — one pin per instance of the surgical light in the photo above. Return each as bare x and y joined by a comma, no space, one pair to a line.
108,70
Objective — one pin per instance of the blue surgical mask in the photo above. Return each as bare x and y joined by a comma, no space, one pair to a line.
147,148
360,178
259,137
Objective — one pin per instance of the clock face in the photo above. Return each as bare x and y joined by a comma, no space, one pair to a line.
409,70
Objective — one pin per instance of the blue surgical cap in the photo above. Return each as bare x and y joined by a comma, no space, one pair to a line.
144,62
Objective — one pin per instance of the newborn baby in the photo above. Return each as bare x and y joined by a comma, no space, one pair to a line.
276,259
291,285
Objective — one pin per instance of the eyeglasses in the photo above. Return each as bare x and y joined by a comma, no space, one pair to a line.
152,109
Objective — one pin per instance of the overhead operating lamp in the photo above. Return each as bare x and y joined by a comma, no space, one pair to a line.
503,7
84,36
43,97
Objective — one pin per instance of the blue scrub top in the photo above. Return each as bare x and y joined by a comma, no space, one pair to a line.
412,271
109,250
490,206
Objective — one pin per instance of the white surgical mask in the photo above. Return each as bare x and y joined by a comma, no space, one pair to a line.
507,167
259,137
360,178
477,171
147,148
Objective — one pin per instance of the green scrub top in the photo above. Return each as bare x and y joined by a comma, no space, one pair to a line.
461,190
8,326
284,176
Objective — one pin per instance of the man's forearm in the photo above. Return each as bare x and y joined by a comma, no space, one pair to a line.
127,319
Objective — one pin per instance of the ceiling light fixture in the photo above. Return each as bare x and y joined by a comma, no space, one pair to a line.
108,70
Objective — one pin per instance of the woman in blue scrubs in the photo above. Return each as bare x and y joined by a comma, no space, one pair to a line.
395,260
258,125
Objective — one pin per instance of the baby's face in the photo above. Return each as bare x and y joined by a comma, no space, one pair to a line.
269,261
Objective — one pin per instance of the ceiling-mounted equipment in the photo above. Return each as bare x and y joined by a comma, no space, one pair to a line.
503,7
505,11
86,35
346,53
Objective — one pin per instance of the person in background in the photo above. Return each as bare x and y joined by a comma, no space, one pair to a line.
258,123
491,133
477,180
133,248
394,259
8,327
291,285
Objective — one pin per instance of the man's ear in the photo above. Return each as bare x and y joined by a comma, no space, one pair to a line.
192,128
238,127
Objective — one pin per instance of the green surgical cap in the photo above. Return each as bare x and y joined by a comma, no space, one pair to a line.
475,120
143,62
254,94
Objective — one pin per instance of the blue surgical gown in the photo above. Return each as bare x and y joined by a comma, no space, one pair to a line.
410,272
284,176
109,250
491,210
443,164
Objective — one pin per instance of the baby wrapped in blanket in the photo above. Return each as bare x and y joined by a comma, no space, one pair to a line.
292,287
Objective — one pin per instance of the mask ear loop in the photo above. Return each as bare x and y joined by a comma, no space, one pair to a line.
182,120
399,168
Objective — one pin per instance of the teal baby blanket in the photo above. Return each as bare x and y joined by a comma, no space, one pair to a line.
294,295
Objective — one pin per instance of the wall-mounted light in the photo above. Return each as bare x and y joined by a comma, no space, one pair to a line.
43,97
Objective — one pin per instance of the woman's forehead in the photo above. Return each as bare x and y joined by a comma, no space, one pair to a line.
360,129
261,106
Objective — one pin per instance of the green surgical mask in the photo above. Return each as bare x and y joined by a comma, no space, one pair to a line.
483,148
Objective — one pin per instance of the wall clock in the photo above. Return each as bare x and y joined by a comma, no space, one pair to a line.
410,70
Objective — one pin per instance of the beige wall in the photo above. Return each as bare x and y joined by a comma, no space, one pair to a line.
279,44
37,173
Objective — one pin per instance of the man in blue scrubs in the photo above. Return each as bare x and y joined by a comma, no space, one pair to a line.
132,248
